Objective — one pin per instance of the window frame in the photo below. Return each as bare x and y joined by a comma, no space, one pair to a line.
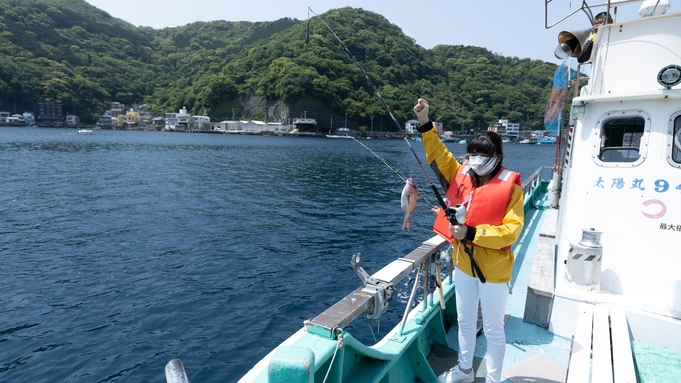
674,122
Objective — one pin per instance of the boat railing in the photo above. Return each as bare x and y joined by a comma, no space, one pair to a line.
535,178
535,184
586,8
362,299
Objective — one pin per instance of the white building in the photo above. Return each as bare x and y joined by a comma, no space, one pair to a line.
439,126
512,129
410,127
201,123
249,127
72,121
253,126
537,134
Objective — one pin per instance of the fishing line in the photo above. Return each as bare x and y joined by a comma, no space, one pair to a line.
404,179
442,203
380,158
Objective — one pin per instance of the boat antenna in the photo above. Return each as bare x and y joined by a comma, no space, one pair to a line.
441,201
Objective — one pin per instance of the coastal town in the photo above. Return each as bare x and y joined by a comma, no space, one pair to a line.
139,117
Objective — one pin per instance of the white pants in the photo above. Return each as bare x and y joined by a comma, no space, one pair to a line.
493,299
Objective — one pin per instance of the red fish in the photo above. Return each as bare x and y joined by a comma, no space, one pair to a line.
408,201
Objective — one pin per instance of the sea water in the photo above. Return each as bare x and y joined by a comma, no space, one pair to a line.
122,250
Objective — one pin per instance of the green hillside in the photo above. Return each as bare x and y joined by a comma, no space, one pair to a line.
68,52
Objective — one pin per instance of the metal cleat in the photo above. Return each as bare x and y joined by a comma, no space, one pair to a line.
382,291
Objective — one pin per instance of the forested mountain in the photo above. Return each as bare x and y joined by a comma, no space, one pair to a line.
68,52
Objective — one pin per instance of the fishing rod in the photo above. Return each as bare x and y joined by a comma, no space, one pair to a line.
441,201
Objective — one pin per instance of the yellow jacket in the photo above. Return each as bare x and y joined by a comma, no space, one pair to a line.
495,264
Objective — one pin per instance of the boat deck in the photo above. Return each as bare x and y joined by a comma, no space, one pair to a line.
531,351
534,354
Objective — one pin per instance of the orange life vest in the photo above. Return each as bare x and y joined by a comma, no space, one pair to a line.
485,204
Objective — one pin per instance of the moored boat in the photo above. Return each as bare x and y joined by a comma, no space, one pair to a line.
16,120
547,140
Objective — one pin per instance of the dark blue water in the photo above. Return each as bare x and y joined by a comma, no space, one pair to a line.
122,250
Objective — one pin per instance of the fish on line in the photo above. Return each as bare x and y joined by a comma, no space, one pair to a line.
410,195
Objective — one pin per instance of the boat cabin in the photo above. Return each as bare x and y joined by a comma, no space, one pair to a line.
622,178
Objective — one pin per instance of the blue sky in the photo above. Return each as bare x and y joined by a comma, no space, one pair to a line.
508,27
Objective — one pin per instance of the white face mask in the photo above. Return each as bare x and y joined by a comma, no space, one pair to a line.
482,165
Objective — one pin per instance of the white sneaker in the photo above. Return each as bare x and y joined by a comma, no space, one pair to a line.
454,375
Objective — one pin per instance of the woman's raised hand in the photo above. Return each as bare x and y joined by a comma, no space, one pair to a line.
421,109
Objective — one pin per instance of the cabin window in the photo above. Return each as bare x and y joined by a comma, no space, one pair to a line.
621,139
676,140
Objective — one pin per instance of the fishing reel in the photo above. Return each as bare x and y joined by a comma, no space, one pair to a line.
456,214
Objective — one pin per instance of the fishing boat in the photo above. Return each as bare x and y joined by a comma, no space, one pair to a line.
337,136
527,141
84,131
340,133
596,289
546,140
16,120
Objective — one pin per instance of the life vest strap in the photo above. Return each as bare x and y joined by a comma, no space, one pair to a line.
475,269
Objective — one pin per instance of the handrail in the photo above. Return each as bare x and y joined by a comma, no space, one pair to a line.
354,304
533,180
532,187
585,7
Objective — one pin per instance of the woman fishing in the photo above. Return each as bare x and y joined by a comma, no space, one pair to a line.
482,253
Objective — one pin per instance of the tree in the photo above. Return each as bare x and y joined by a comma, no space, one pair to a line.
219,89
